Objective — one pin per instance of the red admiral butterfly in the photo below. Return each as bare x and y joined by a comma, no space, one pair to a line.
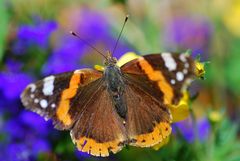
106,110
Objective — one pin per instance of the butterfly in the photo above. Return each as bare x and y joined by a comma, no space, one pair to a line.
106,110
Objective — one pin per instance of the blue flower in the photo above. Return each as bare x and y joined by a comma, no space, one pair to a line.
13,65
14,130
184,33
26,124
13,83
11,86
25,133
36,34
17,152
35,123
25,152
186,128
39,146
81,155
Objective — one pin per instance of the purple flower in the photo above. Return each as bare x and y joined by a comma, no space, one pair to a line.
25,152
27,134
17,152
35,122
39,146
36,34
12,84
27,125
81,155
70,52
14,130
65,57
186,128
13,65
184,33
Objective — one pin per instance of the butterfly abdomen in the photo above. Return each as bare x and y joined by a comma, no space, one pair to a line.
116,87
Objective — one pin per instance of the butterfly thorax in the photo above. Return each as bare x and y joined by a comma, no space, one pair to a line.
115,86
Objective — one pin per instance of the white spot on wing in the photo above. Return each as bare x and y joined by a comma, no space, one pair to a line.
43,103
53,105
182,57
169,61
48,85
32,95
185,71
179,76
36,100
78,71
173,81
32,87
186,65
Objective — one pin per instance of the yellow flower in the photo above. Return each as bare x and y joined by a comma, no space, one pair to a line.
215,116
181,110
199,69
231,17
126,58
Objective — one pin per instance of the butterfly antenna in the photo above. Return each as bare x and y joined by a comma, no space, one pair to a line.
126,18
76,35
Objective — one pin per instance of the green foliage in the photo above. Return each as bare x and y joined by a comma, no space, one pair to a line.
3,27
225,145
145,32
222,145
232,67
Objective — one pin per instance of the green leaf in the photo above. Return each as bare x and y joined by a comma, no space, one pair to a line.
188,52
3,27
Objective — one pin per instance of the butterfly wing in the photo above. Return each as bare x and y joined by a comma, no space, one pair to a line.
148,120
99,129
152,82
53,96
162,75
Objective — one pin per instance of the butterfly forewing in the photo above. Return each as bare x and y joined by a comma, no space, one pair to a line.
163,75
53,96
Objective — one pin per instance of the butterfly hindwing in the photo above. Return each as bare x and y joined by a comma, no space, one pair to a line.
99,129
148,120
164,75
53,96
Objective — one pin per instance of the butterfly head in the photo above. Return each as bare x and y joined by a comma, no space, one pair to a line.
110,60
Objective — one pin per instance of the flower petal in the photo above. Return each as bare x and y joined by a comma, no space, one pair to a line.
181,111
200,69
126,58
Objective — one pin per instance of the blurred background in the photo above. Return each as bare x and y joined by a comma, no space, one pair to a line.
35,42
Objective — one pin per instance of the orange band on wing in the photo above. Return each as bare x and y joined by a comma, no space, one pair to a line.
161,131
92,147
157,76
64,105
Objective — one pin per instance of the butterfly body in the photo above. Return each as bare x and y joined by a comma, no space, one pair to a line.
116,88
105,110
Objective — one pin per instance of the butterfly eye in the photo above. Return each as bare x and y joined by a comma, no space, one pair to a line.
114,60
116,96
